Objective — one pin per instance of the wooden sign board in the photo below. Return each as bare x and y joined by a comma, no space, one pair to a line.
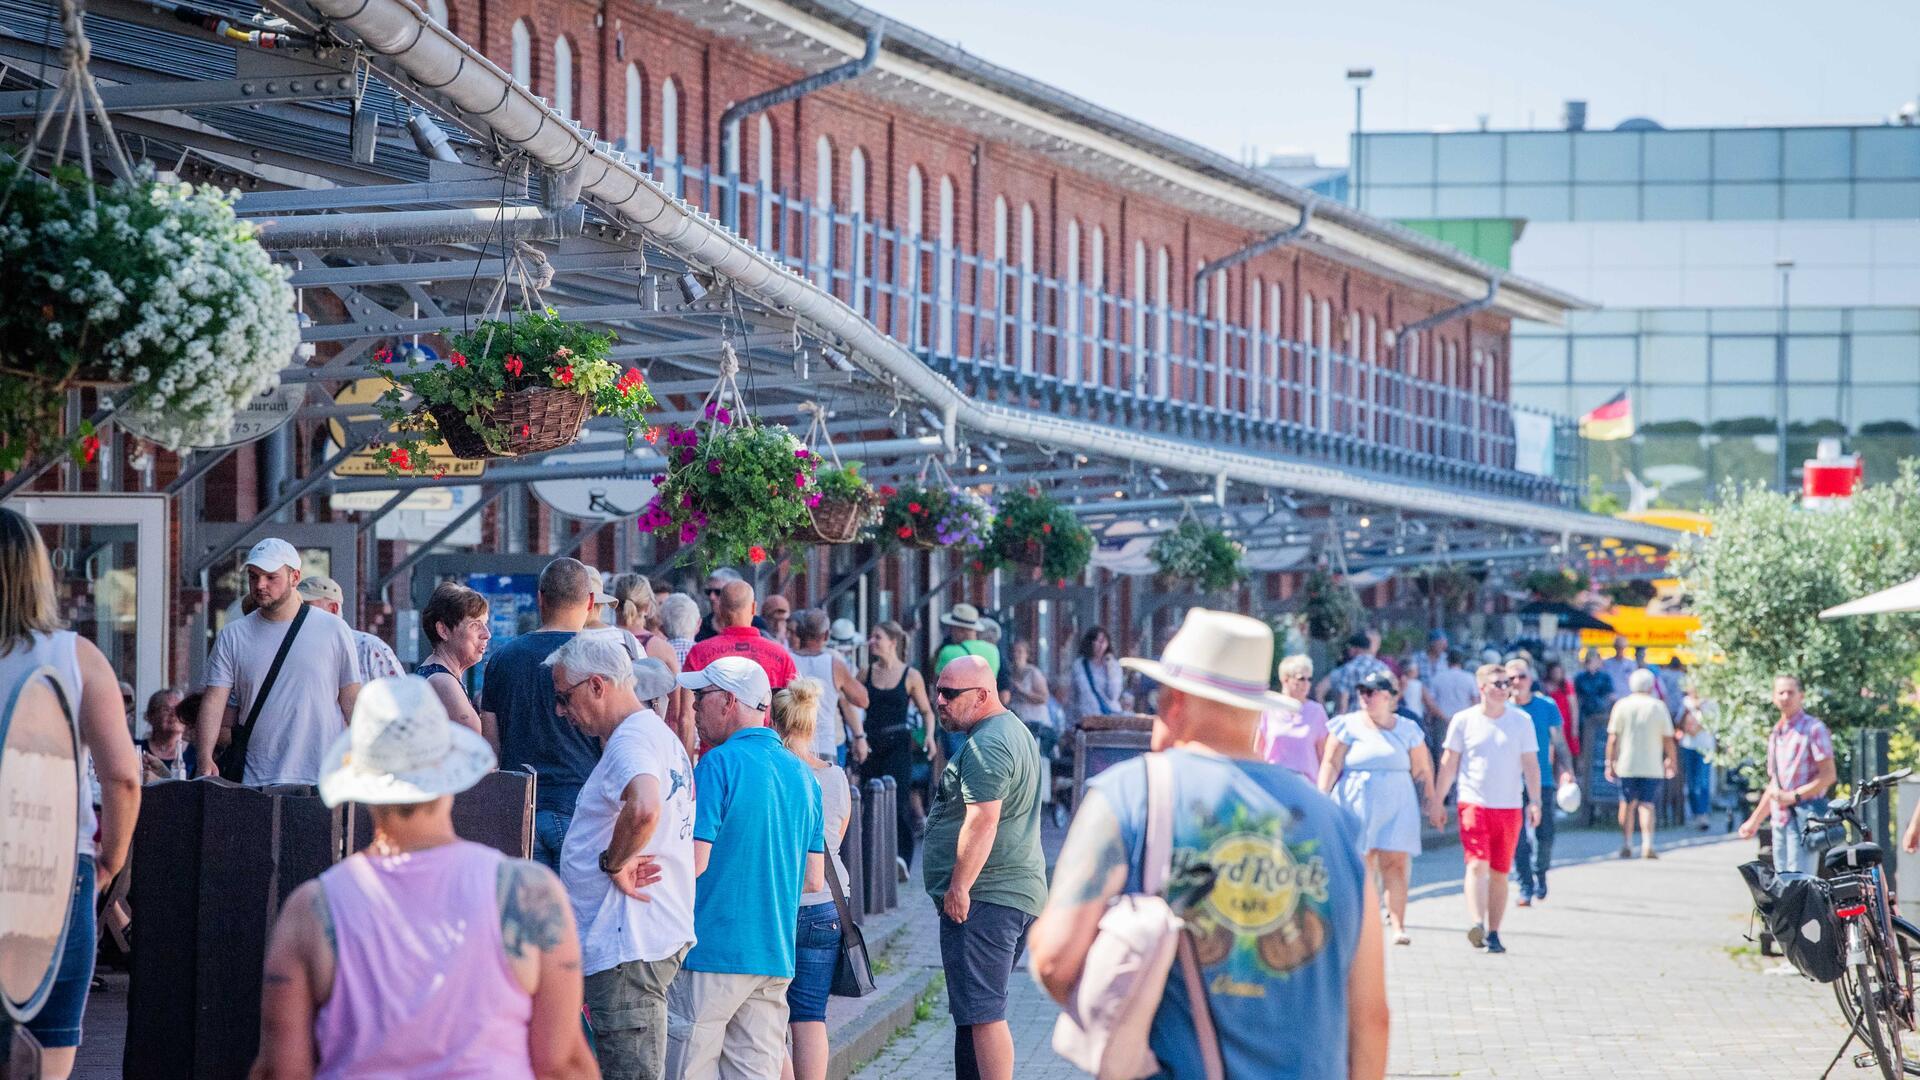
39,835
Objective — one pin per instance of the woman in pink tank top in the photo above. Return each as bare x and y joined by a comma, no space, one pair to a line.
424,955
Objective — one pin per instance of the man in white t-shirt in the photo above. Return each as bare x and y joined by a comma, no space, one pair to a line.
627,861
376,657
1494,752
307,706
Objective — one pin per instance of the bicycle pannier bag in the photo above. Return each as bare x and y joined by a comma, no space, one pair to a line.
1809,934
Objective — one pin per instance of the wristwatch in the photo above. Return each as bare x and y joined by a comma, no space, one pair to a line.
608,866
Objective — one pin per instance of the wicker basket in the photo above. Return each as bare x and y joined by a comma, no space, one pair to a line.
1030,552
834,521
924,536
534,419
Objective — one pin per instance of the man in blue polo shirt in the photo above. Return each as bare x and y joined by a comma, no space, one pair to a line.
1535,850
757,831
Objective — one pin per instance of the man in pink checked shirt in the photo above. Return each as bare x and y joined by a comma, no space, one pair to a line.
1800,772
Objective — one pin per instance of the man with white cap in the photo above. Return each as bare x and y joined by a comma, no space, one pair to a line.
635,813
1280,914
423,955
757,835
376,657
292,702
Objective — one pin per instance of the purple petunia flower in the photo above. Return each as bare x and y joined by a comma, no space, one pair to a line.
802,454
800,480
724,417
713,466
659,478
711,406
687,456
689,533
813,500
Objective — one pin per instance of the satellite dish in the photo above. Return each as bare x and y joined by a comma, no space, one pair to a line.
597,498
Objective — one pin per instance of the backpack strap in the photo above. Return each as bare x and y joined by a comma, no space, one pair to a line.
1154,869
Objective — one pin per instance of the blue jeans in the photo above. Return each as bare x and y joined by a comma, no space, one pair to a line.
549,835
1791,852
1534,853
1698,772
816,953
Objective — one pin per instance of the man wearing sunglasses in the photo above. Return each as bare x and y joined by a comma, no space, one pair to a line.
1492,749
982,862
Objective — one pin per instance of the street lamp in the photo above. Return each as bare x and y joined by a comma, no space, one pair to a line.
1359,77
1785,266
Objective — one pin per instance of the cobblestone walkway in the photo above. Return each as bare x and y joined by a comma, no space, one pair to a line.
1631,969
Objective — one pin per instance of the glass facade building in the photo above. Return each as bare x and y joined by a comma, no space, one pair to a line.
1742,274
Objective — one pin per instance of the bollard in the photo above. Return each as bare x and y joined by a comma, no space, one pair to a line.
890,841
851,851
877,873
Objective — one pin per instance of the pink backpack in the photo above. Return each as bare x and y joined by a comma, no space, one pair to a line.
1103,1029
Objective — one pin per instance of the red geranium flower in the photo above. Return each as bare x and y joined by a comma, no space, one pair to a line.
652,435
383,354
457,360
1046,527
90,446
888,491
756,554
514,366
906,532
913,508
564,376
399,458
526,431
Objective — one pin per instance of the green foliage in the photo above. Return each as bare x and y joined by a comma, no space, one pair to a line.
1758,586
1200,556
1331,609
1602,501
842,482
1401,639
732,490
1630,593
1032,528
533,349
1560,585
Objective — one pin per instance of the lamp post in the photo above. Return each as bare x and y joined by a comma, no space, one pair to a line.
1358,76
1785,266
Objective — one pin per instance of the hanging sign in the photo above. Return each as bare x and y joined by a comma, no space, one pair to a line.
256,419
39,837
367,462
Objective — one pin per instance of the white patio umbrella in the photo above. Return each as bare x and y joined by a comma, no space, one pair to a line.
1902,597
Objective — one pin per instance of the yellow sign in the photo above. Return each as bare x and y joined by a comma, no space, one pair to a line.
366,462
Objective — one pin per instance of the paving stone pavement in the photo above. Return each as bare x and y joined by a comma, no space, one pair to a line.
1631,969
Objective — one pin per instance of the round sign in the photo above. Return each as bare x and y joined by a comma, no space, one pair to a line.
597,498
254,420
39,837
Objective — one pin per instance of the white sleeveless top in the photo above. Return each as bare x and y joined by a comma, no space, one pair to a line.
819,667
59,651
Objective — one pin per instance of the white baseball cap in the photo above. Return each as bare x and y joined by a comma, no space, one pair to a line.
401,748
321,587
1567,798
743,678
600,593
273,553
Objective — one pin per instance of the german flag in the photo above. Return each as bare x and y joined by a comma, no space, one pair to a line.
1610,420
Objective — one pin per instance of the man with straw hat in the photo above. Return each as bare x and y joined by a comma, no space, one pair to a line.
423,954
1268,870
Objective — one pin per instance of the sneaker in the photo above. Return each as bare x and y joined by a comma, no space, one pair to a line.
1542,894
1477,936
900,867
1626,852
1493,943
1524,901
1648,854
1401,938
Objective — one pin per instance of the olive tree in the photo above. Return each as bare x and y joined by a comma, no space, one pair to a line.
1758,585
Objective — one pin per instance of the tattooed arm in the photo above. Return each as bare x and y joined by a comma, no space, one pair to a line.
543,951
298,979
1091,870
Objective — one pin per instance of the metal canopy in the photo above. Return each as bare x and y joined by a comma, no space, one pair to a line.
403,241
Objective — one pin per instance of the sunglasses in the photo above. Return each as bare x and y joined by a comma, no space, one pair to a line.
1500,684
700,694
949,693
562,698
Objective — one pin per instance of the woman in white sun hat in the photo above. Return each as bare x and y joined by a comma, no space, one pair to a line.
423,955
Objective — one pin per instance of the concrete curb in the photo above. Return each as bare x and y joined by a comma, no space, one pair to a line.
884,1014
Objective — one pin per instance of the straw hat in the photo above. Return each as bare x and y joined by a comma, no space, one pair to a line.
963,616
1219,656
401,748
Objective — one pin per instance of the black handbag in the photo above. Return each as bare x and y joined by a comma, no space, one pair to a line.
233,760
852,970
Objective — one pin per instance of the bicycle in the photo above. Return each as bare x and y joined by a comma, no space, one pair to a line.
1875,989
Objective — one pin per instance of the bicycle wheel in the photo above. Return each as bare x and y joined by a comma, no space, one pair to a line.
1873,1024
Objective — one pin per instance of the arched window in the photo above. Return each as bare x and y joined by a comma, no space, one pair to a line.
943,273
1072,302
1306,363
1137,333
1162,326
563,76
438,10
636,116
1322,378
823,211
1375,388
1004,287
670,135
916,282
522,53
1027,328
916,201
1095,373
1276,363
1255,375
768,183
857,204
1219,340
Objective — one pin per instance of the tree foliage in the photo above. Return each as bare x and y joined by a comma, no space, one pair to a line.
1759,584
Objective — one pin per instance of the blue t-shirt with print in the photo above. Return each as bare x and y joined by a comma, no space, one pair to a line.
1277,935
1546,720
759,806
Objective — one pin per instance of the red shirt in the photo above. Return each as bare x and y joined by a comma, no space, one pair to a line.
745,641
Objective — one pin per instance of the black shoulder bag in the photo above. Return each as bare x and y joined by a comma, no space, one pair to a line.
852,970
233,760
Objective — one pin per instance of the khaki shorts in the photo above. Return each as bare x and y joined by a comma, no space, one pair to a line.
730,1026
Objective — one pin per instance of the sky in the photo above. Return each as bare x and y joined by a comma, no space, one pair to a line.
1240,74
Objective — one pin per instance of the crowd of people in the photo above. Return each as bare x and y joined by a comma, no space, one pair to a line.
682,914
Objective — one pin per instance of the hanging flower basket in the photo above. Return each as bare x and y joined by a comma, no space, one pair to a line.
508,387
935,516
845,502
1198,557
734,488
1033,530
151,287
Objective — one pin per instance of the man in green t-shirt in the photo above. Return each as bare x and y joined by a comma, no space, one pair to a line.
982,862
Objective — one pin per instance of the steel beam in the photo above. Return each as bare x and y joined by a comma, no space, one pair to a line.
422,193
263,520
426,547
488,268
388,328
416,228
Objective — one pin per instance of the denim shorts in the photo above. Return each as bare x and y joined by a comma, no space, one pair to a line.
979,956
816,951
1641,788
58,1023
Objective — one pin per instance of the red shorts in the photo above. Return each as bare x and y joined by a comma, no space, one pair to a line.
1490,835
